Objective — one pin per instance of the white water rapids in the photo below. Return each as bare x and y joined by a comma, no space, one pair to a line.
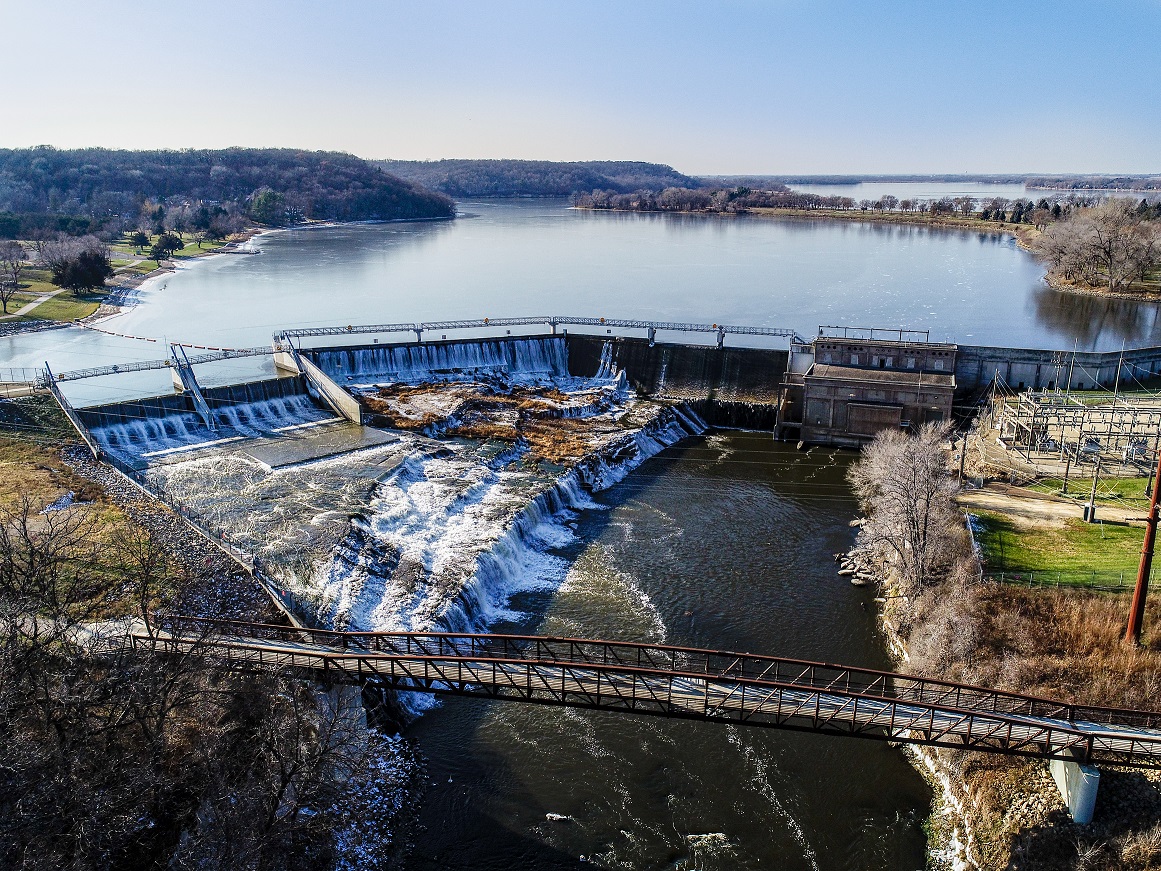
402,531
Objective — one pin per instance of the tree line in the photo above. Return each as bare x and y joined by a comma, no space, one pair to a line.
80,191
1114,245
535,178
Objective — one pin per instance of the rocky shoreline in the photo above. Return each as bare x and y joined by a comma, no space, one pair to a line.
214,584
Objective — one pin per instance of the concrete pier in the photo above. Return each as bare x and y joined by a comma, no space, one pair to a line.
1078,786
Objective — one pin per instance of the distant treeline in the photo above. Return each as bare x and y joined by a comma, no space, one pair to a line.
85,190
1096,182
535,178
772,182
738,199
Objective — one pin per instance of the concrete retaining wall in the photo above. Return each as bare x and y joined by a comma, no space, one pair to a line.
156,407
1021,368
745,375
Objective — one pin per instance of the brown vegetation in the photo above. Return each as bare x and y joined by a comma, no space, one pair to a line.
119,759
529,415
1060,644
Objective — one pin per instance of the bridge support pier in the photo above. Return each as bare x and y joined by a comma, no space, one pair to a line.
1078,786
284,356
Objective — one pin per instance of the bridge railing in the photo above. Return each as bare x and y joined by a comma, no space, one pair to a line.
791,703
168,363
720,664
551,321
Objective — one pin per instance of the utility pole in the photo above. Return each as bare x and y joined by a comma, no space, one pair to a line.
1068,386
1156,441
962,457
1096,473
1137,609
1067,466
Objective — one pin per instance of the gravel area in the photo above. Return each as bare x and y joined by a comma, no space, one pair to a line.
215,585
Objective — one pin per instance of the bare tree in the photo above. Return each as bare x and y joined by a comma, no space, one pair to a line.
906,489
1108,245
13,259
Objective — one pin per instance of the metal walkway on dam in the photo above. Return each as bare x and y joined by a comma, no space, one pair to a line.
681,682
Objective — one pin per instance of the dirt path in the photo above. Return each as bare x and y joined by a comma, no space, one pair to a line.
29,306
1031,506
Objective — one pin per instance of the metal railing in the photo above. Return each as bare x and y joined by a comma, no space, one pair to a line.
167,363
684,682
250,561
551,321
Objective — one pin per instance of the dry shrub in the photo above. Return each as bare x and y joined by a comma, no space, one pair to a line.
1141,849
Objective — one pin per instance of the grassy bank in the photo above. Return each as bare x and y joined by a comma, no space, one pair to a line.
1011,544
130,264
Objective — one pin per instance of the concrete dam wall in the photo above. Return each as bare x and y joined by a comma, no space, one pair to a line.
728,387
223,398
1022,368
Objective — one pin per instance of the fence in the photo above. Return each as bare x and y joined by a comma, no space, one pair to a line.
1089,580
253,564
21,381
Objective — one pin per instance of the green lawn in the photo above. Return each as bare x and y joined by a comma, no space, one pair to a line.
66,307
1075,547
1129,492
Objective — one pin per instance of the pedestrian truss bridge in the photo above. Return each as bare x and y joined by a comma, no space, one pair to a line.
681,682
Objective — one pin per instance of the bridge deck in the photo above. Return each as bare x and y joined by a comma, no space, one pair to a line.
687,683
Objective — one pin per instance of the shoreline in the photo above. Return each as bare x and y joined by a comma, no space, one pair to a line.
1023,235
124,294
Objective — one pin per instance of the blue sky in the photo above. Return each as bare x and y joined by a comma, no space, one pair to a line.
729,87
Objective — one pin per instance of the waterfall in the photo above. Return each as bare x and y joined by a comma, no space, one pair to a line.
143,436
488,555
539,358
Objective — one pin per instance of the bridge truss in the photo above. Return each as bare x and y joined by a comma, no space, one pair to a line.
551,321
686,683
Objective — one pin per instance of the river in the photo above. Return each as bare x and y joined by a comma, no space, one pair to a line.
531,257
720,541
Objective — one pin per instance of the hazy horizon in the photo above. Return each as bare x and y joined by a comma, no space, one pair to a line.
745,88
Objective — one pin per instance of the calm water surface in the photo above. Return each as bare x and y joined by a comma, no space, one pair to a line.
722,541
540,257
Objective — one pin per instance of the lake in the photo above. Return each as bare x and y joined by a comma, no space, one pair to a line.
532,257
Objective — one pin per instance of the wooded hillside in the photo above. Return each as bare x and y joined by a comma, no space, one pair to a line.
98,185
535,178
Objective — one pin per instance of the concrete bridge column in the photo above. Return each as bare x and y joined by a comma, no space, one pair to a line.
1078,786
284,356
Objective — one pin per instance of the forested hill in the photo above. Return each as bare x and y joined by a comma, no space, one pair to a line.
101,184
536,178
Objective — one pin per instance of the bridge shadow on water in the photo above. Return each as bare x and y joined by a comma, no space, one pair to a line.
723,541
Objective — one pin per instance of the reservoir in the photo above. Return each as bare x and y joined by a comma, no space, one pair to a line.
534,257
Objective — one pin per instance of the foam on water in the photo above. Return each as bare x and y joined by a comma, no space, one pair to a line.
449,540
